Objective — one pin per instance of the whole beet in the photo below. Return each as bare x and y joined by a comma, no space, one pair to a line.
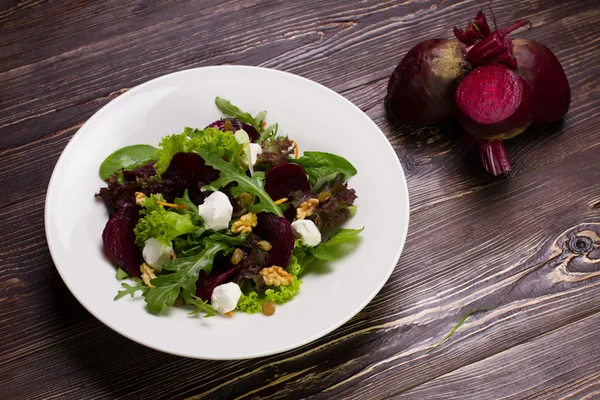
421,88
542,70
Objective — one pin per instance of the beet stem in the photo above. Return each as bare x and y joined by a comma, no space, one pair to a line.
493,156
516,26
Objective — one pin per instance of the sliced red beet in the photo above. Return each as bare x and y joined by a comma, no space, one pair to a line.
236,125
191,168
119,240
493,102
277,231
206,285
285,179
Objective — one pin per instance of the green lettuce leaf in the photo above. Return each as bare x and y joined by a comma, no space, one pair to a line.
319,165
252,302
183,277
213,140
232,172
161,224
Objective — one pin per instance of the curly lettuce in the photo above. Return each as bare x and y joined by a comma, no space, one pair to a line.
161,224
191,140
252,302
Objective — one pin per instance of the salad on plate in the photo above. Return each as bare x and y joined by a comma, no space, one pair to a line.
223,218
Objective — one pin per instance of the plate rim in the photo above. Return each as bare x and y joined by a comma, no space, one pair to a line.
99,113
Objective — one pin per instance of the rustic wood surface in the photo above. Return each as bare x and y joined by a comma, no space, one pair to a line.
474,240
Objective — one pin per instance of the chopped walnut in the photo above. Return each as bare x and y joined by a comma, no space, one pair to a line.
139,198
264,245
244,224
147,274
307,208
237,256
276,276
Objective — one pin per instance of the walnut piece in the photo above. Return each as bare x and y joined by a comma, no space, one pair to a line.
147,274
139,198
244,224
307,208
276,276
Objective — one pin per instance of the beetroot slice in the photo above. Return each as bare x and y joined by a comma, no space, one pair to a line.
236,125
206,285
277,231
191,168
494,102
285,179
119,240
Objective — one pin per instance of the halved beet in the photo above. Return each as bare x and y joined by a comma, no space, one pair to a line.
119,240
191,168
205,285
277,231
285,179
236,125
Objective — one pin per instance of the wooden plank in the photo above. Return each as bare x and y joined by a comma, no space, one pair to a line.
552,366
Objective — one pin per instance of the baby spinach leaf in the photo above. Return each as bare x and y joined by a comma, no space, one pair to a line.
129,157
320,165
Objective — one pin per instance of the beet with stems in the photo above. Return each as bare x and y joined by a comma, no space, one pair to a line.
538,67
421,88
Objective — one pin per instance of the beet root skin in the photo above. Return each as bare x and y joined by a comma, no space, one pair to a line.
421,88
494,103
542,70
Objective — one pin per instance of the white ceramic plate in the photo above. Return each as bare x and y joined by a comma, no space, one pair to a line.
318,119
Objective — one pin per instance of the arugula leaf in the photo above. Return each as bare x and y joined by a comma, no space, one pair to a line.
269,133
319,165
229,109
201,305
121,274
232,172
130,290
190,141
129,157
183,278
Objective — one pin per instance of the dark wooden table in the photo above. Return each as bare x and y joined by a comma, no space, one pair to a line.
474,240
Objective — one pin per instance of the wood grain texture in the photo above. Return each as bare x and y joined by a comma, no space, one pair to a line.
474,240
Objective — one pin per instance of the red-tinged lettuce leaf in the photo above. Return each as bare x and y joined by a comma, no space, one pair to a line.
276,151
335,210
119,240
